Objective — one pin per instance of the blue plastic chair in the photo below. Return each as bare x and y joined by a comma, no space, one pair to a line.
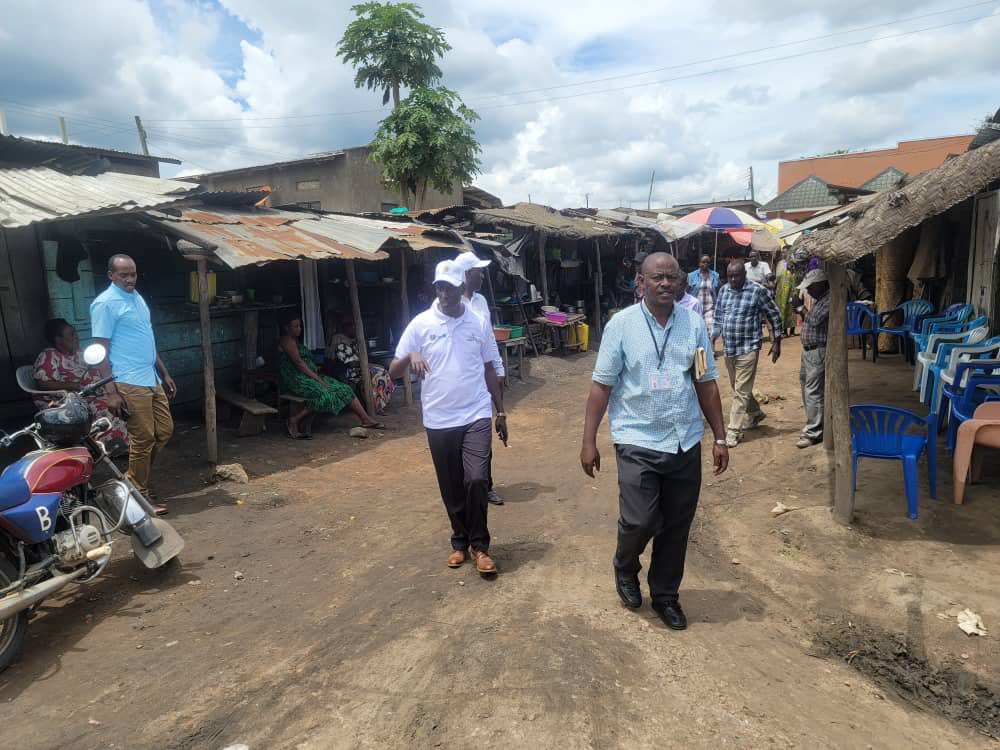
911,310
946,314
953,314
967,393
857,313
921,340
887,432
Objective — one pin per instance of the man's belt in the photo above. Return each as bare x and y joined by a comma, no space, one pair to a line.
813,347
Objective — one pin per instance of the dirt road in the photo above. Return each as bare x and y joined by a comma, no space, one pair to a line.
320,614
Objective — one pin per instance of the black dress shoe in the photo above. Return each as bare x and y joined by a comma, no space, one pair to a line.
493,498
628,590
672,615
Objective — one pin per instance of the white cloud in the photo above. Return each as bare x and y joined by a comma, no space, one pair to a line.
234,82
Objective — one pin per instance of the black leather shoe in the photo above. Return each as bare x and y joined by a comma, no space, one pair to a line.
493,498
672,615
628,590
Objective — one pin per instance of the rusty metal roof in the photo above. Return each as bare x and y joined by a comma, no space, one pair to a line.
258,236
39,194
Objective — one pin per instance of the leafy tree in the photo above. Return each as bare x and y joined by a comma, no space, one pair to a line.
389,46
427,140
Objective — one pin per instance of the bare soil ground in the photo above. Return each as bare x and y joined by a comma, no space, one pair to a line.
344,628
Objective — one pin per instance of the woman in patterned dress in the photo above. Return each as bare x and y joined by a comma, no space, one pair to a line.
342,354
298,376
61,368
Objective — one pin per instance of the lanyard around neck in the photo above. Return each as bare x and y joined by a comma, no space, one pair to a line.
661,351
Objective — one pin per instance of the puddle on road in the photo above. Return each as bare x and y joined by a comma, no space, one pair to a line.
952,691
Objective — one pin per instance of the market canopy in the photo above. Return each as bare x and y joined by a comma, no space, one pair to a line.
255,236
562,224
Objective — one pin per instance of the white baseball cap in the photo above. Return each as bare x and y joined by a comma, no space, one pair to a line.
449,272
469,260
815,276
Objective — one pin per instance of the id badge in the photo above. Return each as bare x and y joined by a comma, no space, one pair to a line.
659,382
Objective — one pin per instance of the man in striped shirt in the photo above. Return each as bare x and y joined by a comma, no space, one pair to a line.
738,311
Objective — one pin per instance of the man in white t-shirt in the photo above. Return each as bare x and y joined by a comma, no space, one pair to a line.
473,283
452,350
758,270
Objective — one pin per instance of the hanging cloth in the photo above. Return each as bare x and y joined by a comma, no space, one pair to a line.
312,315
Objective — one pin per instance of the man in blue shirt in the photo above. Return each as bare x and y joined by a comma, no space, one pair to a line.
738,312
120,321
656,372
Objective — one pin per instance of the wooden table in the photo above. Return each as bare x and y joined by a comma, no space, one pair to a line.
559,332
518,346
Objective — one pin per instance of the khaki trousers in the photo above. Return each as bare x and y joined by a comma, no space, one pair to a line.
742,374
149,428
812,376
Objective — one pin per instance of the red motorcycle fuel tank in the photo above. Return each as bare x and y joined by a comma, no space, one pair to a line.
58,470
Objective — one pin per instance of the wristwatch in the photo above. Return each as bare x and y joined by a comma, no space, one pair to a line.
721,442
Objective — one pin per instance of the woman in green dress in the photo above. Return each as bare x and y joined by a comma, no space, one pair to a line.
784,295
298,375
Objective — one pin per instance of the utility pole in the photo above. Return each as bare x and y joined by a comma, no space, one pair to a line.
62,130
586,197
3,123
649,200
751,185
529,197
142,135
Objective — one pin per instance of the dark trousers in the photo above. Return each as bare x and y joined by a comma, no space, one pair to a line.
658,499
461,458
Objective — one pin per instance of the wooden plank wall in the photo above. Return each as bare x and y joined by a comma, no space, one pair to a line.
22,307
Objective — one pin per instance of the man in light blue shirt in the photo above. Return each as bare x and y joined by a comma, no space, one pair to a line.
655,376
120,321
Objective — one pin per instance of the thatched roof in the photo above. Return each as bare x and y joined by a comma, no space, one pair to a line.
878,221
548,220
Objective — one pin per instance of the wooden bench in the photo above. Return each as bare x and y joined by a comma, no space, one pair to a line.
296,403
254,412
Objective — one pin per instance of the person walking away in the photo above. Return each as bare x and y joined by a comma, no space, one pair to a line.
473,283
453,350
812,373
703,284
757,270
738,312
120,321
651,379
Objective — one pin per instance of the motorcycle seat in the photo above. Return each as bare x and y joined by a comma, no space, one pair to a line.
13,489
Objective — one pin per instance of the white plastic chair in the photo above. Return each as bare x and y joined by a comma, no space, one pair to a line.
928,356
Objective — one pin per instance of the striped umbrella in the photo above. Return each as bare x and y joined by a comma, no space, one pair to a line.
779,226
719,219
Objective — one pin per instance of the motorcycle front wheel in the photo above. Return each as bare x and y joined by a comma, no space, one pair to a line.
13,629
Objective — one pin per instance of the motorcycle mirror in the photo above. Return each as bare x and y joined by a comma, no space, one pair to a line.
94,354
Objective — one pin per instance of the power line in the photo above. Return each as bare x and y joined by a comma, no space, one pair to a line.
647,72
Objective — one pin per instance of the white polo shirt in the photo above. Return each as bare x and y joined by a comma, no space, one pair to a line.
481,308
454,393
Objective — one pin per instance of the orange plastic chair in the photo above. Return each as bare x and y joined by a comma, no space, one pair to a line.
982,430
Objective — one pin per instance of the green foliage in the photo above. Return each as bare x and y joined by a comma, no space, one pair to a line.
427,140
389,46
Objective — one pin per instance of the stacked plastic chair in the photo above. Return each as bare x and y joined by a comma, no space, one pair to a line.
911,310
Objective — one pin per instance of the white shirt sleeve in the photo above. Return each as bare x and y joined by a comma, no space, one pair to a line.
410,341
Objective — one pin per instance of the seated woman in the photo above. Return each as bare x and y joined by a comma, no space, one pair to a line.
342,358
298,375
61,368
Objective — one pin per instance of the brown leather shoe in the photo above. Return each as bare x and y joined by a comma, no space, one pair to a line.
484,563
456,558
160,509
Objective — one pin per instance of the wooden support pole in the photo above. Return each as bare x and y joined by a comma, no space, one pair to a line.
597,289
541,263
62,130
404,301
251,324
359,331
211,426
837,419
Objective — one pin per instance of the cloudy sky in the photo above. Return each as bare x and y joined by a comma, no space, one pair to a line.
576,98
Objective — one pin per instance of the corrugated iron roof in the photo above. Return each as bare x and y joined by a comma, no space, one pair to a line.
39,194
556,223
74,157
258,236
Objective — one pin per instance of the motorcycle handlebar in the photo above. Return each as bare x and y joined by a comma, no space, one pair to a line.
94,387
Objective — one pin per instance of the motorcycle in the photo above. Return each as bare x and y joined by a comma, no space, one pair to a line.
57,526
